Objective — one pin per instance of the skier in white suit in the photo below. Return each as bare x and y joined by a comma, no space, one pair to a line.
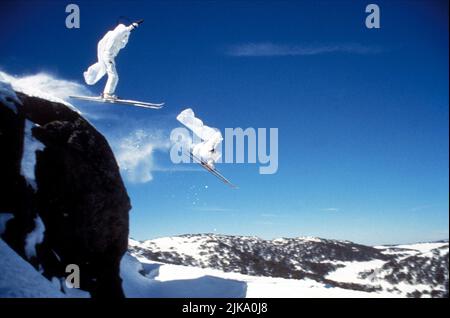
107,49
207,149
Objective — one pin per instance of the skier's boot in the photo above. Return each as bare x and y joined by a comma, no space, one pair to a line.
109,96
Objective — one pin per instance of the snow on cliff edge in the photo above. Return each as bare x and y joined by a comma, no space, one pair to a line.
40,85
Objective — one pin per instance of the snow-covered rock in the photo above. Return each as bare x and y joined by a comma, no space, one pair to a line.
61,183
34,238
4,218
41,85
8,96
30,146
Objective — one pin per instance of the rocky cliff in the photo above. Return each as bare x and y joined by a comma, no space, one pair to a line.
62,198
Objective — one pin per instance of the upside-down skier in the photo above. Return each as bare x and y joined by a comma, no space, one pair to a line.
205,151
107,49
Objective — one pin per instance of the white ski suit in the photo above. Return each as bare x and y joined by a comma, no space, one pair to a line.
107,49
207,149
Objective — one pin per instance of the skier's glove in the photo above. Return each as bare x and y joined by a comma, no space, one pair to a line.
136,24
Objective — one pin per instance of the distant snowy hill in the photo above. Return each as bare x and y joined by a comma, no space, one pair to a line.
288,265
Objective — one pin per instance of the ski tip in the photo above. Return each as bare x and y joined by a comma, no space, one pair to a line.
232,185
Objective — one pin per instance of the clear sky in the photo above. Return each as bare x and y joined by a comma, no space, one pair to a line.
363,115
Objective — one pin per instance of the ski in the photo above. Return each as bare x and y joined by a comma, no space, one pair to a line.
119,101
213,171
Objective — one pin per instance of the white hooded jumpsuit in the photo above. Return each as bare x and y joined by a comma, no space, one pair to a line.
107,49
207,149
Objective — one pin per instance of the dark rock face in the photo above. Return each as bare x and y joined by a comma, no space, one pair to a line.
79,195
17,196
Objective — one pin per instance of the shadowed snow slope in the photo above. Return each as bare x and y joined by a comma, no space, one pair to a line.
19,279
138,283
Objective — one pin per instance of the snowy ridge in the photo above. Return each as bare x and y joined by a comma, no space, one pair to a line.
244,253
330,265
39,85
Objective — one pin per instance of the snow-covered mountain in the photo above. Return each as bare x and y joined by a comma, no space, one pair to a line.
330,265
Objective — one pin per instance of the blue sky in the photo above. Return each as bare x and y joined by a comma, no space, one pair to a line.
362,114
